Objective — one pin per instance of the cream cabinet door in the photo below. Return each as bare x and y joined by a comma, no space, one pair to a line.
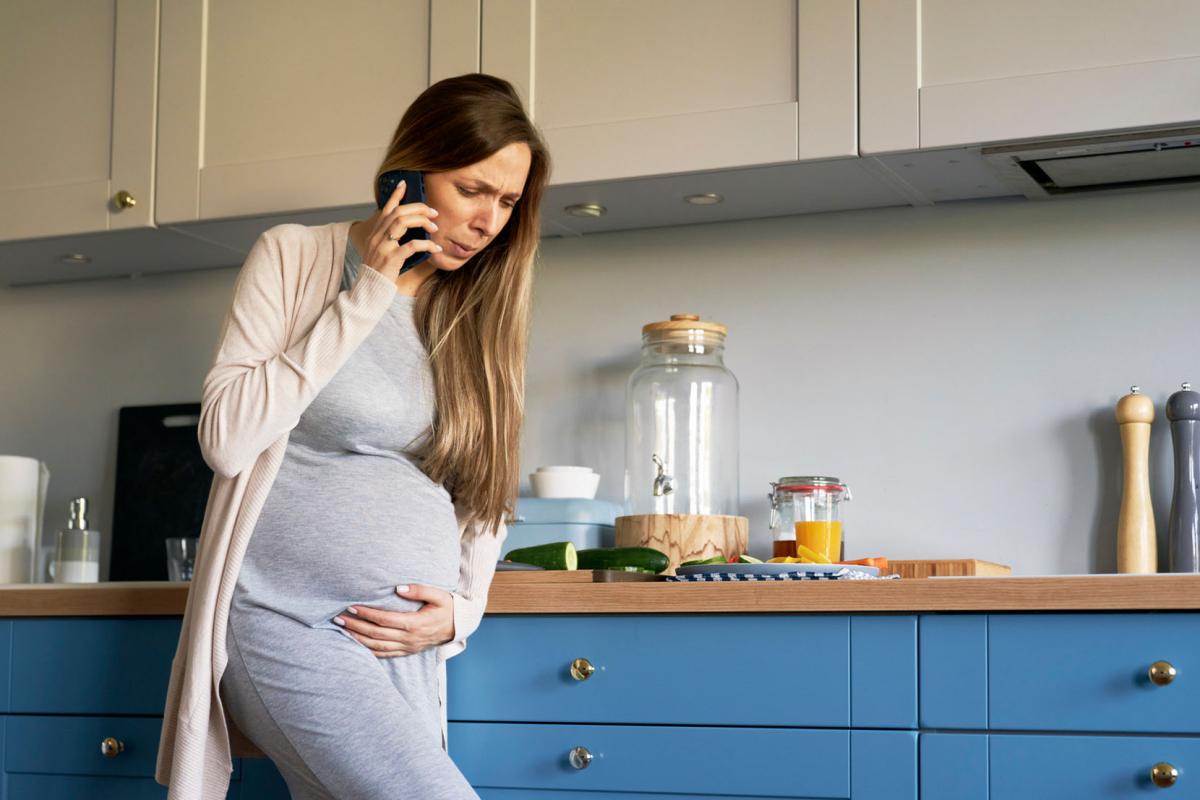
77,84
626,88
939,73
272,106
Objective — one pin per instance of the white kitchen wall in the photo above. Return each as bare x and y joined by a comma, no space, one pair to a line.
957,365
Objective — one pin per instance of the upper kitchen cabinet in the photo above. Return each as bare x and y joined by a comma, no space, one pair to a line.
275,106
77,81
943,73
625,88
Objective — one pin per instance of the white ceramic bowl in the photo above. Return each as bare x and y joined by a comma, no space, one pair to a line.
583,470
565,484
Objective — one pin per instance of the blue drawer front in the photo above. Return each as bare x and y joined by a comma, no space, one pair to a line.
60,787
721,761
91,666
883,669
257,779
1089,672
71,745
954,671
954,766
1092,767
883,765
567,794
6,626
678,669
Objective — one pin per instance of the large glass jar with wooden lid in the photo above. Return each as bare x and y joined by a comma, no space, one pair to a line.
681,445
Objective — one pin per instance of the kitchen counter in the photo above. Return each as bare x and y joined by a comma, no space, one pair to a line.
513,593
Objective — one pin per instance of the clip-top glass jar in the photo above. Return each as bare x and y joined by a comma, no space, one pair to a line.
681,432
805,509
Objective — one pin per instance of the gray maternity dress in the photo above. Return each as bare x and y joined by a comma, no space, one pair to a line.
349,517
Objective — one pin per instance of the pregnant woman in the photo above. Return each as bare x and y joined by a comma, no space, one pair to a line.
363,426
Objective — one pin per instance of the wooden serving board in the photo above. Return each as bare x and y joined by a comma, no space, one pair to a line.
940,568
526,577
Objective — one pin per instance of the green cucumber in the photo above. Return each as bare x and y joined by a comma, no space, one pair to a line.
556,555
621,558
702,561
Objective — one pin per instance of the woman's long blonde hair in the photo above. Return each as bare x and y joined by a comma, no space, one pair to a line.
475,320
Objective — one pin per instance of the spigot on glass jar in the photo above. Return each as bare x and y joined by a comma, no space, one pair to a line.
806,509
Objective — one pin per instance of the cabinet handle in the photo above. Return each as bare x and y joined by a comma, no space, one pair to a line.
123,200
1164,775
580,757
1162,673
581,669
112,747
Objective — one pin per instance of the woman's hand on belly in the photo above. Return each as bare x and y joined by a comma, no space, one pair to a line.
402,633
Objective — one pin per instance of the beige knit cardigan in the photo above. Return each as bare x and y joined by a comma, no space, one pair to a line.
286,334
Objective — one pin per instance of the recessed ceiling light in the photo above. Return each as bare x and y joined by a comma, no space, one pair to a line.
586,210
75,258
706,199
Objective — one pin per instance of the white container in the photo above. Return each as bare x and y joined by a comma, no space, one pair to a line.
23,483
565,483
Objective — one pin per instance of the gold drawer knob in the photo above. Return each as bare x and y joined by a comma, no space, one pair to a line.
123,200
112,747
1162,673
580,757
582,669
1164,775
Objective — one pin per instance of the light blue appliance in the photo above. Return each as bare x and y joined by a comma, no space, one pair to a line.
541,520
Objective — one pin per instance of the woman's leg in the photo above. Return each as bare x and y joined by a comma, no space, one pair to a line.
324,709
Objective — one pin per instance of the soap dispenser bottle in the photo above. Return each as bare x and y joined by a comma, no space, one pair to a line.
1183,526
77,555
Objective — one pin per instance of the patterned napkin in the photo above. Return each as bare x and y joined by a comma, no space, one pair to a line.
844,574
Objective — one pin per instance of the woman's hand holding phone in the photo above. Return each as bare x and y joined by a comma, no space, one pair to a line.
384,252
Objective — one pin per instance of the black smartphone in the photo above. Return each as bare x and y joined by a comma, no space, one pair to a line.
414,192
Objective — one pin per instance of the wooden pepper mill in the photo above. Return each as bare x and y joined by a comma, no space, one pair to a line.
1137,549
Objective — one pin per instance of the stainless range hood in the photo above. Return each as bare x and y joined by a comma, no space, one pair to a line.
1128,161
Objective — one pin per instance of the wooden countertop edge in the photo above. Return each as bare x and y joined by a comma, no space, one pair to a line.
1067,593
510,596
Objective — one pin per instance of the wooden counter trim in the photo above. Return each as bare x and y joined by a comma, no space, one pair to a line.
119,599
1066,593
509,595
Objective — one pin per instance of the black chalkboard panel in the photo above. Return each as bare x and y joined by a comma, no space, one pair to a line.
161,489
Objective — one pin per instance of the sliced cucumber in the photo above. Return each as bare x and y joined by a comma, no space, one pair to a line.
702,561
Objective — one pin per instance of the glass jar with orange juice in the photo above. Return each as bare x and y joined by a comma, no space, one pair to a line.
805,509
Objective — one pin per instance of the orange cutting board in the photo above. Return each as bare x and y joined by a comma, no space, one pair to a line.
940,568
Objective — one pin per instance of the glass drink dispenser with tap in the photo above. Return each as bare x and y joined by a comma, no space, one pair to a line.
681,433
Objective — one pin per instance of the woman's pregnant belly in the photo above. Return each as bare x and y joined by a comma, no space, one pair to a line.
344,529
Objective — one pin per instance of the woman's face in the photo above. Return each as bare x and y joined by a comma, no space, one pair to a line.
475,202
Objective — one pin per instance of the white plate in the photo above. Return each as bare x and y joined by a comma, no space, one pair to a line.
770,569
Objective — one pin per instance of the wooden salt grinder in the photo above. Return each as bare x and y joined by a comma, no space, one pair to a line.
1137,549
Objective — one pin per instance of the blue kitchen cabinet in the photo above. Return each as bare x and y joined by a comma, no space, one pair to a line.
72,683
1007,766
830,706
1060,672
1030,706
794,670
714,705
